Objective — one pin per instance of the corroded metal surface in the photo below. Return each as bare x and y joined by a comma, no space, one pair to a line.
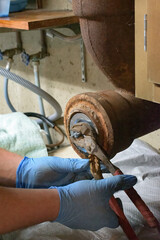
108,33
95,167
118,118
84,137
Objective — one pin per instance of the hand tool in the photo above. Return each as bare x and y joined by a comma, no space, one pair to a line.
83,137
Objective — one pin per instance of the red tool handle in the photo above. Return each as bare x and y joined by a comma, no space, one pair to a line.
141,206
122,219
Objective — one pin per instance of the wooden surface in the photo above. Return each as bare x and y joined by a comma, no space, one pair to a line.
35,19
145,89
153,39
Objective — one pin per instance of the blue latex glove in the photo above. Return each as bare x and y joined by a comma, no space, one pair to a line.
48,171
85,204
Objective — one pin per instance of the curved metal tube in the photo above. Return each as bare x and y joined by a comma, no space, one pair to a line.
53,33
40,101
6,95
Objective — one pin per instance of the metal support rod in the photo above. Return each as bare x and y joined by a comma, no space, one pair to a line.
36,64
19,41
145,32
6,95
83,61
43,33
44,43
41,106
10,53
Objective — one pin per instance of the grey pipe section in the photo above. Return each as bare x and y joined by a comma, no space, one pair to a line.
53,33
8,67
43,42
58,110
19,41
37,83
41,105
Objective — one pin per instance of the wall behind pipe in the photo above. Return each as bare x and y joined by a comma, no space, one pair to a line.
60,73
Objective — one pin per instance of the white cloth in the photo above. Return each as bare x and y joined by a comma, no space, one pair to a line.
140,160
21,135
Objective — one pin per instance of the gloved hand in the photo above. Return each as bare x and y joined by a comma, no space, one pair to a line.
85,204
48,171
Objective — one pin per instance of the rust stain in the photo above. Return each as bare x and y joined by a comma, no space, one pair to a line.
119,118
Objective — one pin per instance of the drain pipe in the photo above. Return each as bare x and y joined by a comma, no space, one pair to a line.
6,95
35,65
36,73
10,53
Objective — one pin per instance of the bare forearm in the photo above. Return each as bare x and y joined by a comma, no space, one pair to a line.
9,163
20,208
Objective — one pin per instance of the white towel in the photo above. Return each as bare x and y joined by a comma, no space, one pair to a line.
21,135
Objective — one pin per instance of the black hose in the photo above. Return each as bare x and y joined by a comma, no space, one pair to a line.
50,124
43,118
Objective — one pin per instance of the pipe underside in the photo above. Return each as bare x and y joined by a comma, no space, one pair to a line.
108,33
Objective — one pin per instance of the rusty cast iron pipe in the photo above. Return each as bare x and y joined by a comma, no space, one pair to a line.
118,117
107,28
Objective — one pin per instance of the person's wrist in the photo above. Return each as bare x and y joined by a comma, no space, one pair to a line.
55,203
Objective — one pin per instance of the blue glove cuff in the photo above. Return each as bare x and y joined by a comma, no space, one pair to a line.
19,183
52,187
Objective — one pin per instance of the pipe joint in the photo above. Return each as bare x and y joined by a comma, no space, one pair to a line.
10,53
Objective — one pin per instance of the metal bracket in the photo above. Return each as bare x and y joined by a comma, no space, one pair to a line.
145,32
54,33
83,62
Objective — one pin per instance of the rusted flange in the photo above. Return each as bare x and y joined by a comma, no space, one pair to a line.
118,118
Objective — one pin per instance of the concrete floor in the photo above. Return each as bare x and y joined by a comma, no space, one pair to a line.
65,152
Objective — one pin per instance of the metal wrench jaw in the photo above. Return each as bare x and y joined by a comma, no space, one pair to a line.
88,142
85,142
86,139
83,136
83,129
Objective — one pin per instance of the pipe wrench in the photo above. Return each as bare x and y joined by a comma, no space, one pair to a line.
83,137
